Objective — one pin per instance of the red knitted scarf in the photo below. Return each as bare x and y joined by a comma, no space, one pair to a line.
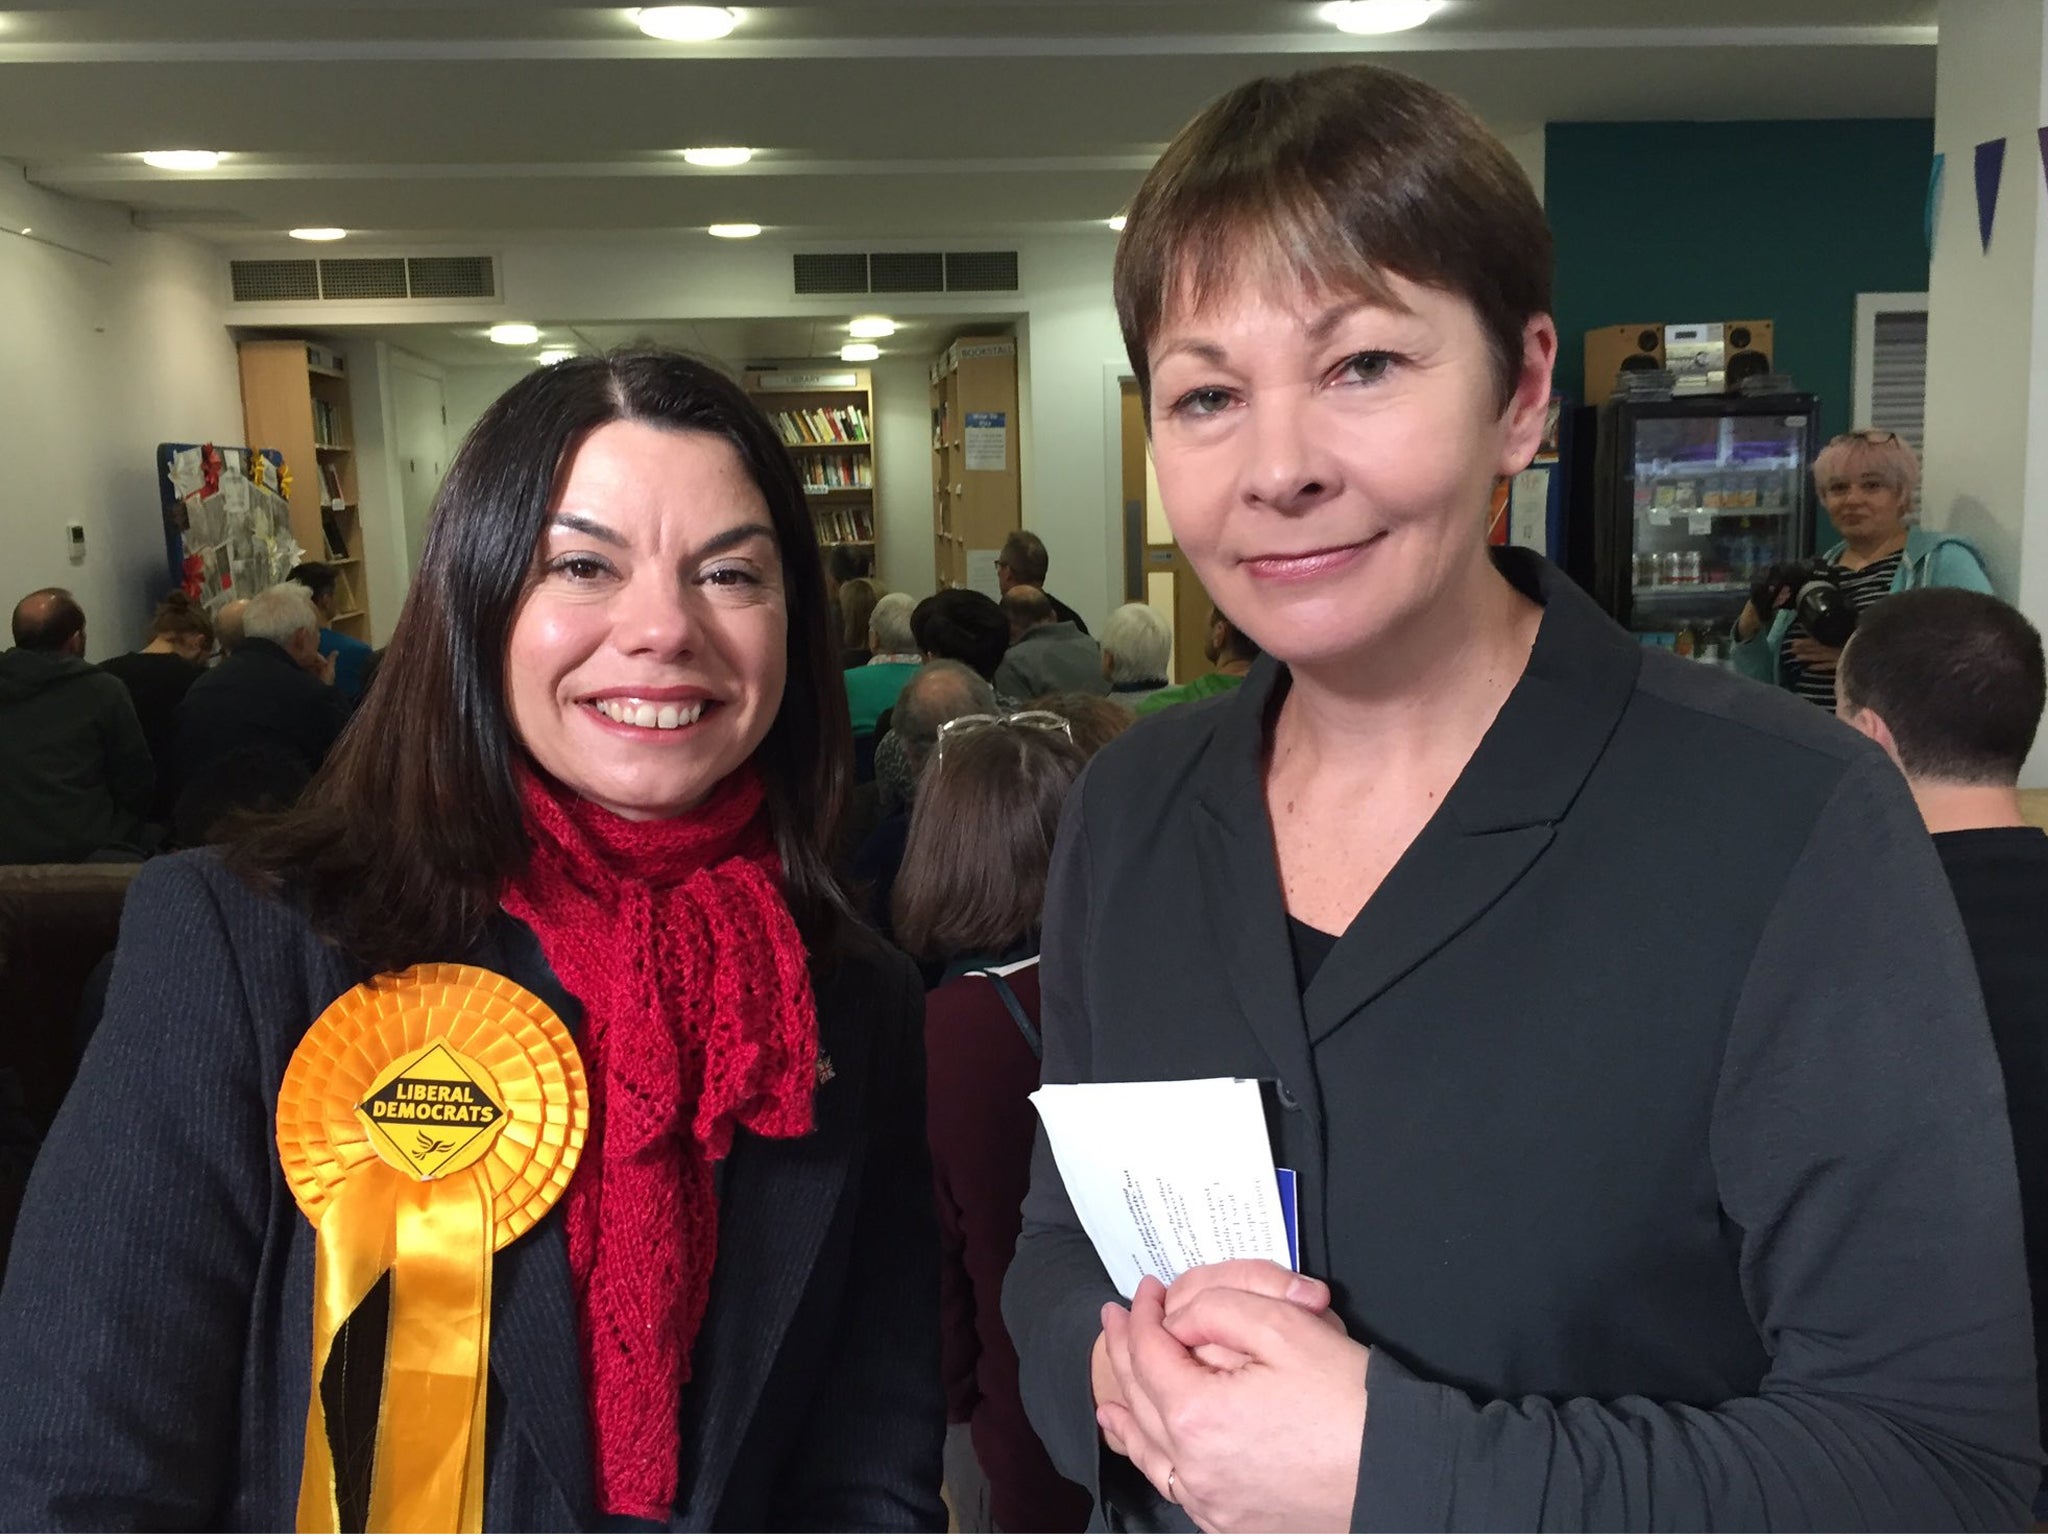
675,937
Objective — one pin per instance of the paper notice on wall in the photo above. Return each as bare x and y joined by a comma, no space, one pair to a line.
1166,1177
988,439
187,474
981,573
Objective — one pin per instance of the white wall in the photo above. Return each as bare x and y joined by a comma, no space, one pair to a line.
1986,472
903,475
116,340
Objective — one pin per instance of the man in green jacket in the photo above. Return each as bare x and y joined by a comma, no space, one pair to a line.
75,774
1229,650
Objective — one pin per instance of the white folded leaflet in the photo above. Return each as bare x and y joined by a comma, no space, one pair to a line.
1167,1176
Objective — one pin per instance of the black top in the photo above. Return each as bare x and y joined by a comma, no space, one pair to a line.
1863,588
2000,877
156,1327
156,681
1060,611
1311,948
1649,1216
257,702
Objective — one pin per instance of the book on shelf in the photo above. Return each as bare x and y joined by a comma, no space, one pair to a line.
324,424
337,543
846,525
838,472
822,427
330,481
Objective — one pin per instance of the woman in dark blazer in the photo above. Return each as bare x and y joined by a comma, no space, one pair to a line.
604,760
1637,1186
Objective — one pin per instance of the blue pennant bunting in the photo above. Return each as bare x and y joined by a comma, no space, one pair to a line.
1990,170
1932,218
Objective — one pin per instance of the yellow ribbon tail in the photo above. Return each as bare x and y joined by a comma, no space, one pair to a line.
430,1458
351,1253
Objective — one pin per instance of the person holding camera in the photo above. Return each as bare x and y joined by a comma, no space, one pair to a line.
1802,613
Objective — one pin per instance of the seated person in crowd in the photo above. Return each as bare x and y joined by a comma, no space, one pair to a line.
156,677
1950,683
872,688
960,624
227,625
968,900
1047,653
1137,650
274,698
940,691
1023,563
351,656
1230,652
1092,720
857,598
954,624
75,772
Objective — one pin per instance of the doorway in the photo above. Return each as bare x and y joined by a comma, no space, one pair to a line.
419,402
1155,570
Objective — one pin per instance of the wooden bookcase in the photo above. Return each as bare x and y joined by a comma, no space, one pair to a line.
295,399
977,490
826,418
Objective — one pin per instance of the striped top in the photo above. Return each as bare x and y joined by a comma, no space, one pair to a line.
1863,587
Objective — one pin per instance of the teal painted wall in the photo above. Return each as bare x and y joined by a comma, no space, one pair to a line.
1784,221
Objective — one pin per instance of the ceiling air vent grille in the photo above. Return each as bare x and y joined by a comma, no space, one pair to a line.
267,282
450,277
363,277
981,271
832,272
907,271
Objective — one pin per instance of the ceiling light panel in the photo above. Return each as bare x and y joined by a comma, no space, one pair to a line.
686,23
859,352
735,231
181,159
515,335
872,327
319,232
718,157
1372,17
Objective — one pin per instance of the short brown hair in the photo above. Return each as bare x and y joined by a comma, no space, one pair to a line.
1024,553
1958,677
1095,720
974,866
857,599
1337,177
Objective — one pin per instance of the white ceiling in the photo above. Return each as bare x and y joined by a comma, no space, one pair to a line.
876,120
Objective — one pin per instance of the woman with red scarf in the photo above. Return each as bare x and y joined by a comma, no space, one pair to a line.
605,759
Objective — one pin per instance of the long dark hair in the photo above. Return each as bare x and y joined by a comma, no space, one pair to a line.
406,838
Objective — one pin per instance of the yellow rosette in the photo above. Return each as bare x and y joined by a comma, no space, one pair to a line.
426,1120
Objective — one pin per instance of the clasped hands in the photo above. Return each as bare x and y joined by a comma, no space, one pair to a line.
1238,1394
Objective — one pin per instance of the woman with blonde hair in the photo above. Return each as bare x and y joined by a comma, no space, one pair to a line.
1867,481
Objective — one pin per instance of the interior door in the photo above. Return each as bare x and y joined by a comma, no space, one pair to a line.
420,404
1156,572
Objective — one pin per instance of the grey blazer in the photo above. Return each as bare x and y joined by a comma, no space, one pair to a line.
155,1326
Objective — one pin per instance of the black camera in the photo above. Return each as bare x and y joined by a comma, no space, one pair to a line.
1817,601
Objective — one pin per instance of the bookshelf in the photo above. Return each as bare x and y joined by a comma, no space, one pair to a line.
826,418
295,399
977,490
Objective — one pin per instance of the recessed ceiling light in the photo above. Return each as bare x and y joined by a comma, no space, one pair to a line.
1116,221
554,355
515,335
735,231
686,23
872,327
182,159
322,232
1373,16
718,157
859,352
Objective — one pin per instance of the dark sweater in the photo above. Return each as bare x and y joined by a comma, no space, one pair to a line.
258,702
156,682
2000,879
1647,1218
978,1111
75,771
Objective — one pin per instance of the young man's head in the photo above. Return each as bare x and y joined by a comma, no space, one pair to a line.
318,578
1022,562
1950,683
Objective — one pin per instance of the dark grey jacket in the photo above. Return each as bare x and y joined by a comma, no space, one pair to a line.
1053,658
75,771
155,1327
1646,1119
